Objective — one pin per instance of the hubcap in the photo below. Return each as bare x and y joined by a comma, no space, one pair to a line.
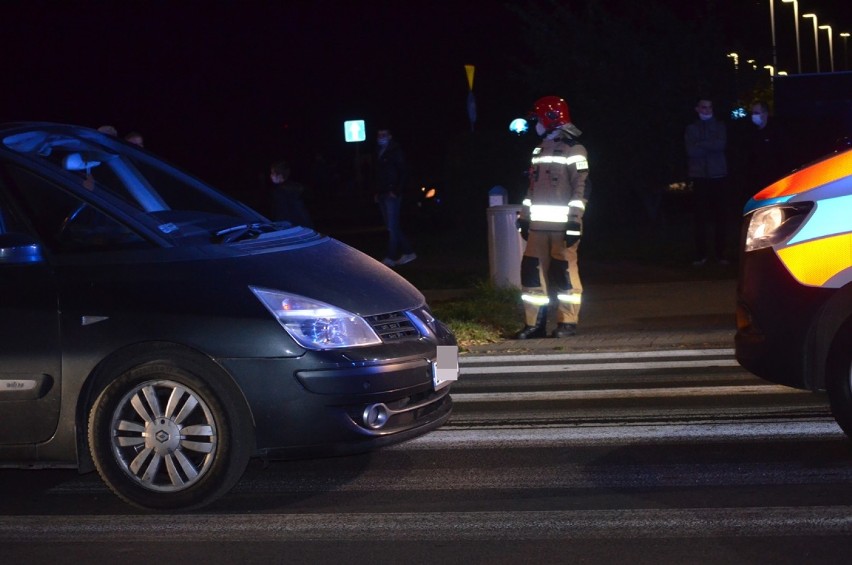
164,436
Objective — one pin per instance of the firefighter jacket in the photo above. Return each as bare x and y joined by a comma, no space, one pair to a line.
559,185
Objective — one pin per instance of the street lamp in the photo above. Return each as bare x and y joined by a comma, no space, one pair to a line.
845,36
830,46
796,20
772,22
736,58
816,37
771,70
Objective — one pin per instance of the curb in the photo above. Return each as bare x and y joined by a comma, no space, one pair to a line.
720,338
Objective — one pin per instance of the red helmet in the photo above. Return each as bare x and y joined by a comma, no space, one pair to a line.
551,112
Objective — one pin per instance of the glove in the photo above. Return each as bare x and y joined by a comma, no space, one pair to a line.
523,227
573,232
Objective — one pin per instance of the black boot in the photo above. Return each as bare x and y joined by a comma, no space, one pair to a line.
565,330
538,330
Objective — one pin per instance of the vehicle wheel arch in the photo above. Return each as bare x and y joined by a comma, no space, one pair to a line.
128,357
838,374
831,326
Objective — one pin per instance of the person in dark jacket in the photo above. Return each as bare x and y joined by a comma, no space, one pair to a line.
707,167
770,150
390,184
287,203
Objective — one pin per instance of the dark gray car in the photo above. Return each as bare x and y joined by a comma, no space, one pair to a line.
164,333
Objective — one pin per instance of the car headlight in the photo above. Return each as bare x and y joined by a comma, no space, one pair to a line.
773,224
314,324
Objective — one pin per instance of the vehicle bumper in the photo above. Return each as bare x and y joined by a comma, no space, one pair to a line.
342,402
775,316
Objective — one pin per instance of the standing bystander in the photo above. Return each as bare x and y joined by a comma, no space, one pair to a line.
770,154
135,138
287,196
390,185
707,168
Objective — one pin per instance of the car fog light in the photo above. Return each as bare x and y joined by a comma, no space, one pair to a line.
375,416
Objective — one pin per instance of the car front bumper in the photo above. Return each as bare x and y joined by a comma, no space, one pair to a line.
333,403
775,317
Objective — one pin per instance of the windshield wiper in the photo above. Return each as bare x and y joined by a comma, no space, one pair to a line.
242,231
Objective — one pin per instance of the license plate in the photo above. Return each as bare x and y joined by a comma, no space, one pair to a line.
445,369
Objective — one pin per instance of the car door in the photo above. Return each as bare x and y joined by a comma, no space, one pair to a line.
41,214
30,357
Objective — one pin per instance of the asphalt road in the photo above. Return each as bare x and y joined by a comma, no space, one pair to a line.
640,457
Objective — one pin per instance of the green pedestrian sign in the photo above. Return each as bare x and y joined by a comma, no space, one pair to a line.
354,131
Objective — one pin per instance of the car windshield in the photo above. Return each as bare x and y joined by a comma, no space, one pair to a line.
174,203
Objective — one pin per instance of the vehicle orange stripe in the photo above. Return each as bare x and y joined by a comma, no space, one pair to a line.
815,262
816,175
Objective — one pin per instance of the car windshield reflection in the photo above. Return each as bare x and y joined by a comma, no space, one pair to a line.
177,205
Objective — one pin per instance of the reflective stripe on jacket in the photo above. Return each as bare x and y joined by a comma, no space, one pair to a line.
559,170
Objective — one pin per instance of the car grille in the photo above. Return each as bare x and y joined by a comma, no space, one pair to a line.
395,326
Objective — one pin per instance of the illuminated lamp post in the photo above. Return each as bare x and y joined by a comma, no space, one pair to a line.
736,58
827,28
816,37
796,20
845,36
772,24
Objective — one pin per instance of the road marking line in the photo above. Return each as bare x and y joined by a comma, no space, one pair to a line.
494,370
620,433
464,397
464,359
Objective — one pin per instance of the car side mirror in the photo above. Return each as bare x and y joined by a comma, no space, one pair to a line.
18,248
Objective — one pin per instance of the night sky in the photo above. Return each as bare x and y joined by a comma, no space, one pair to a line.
223,88
212,85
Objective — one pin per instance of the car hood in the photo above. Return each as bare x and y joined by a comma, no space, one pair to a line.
827,178
216,278
332,272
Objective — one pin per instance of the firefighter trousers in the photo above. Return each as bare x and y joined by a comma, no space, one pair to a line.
549,267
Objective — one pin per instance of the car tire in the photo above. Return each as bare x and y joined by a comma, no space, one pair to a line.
163,438
839,378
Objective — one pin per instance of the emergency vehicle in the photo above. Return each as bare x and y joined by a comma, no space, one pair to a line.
794,294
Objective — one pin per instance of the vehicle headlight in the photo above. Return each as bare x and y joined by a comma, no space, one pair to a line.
314,324
773,224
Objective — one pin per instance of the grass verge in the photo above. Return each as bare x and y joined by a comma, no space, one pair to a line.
488,314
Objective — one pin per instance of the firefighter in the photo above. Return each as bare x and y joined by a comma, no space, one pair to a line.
551,221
